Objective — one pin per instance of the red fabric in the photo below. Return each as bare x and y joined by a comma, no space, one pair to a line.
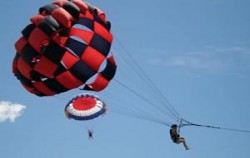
69,59
60,2
83,7
36,42
87,15
37,38
41,87
68,80
86,36
92,58
99,84
36,19
103,32
30,89
112,59
84,103
24,68
101,15
62,16
46,67
20,44
59,40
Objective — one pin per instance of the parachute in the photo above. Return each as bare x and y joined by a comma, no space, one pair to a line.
67,45
85,107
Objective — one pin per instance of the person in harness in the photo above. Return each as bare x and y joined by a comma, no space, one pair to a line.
176,138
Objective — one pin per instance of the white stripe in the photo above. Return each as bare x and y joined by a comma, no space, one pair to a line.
83,113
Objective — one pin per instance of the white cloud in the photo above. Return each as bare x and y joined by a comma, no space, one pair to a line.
10,111
235,49
208,59
190,61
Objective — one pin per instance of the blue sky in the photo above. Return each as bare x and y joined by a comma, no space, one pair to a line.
195,51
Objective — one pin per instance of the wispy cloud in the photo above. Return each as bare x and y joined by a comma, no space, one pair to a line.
234,49
10,111
191,61
208,59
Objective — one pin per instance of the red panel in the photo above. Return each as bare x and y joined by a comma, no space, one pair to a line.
112,59
43,88
86,36
92,58
83,7
14,65
36,19
68,80
62,16
88,15
99,84
20,44
24,68
60,2
84,103
59,40
36,42
45,67
101,14
31,90
69,59
103,32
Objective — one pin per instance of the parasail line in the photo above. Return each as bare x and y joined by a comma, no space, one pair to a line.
150,83
214,127
138,116
142,97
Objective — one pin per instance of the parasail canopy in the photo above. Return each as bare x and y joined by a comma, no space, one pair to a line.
67,45
85,107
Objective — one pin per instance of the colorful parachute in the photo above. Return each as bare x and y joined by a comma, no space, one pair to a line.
67,45
85,107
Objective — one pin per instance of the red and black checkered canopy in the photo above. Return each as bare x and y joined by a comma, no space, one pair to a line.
66,45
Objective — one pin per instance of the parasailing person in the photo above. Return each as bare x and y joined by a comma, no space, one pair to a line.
176,138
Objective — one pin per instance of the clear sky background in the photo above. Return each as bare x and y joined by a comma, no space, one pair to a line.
196,51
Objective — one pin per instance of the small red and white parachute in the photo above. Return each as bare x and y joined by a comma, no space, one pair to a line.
85,107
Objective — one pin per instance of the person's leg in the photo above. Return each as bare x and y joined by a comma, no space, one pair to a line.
182,140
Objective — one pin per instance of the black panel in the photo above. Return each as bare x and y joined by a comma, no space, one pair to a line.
107,25
55,86
24,80
49,25
76,46
36,76
27,30
60,69
100,44
48,8
82,71
28,54
14,62
109,71
98,19
72,9
53,51
86,22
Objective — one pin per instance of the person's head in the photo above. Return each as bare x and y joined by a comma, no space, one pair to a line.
174,126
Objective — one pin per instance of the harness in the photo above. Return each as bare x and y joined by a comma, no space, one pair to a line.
174,135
